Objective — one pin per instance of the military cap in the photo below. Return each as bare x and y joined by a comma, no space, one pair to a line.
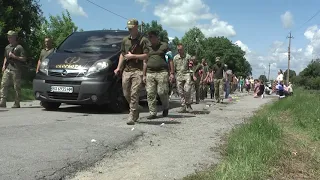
132,22
12,33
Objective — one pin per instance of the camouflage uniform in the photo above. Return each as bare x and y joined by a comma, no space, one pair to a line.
132,73
157,80
184,81
196,70
219,80
203,84
12,72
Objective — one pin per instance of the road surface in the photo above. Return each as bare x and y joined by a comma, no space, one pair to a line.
37,144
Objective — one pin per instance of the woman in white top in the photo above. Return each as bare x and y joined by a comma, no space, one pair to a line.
280,76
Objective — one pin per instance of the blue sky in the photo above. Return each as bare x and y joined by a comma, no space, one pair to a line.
256,26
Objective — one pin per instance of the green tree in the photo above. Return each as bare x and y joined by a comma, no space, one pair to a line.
292,74
154,25
58,27
310,76
263,78
173,45
193,40
23,16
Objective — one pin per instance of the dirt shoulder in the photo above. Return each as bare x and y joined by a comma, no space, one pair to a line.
184,144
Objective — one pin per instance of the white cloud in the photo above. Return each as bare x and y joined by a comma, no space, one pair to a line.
277,55
144,3
182,15
73,7
287,19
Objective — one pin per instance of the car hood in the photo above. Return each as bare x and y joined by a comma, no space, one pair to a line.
62,60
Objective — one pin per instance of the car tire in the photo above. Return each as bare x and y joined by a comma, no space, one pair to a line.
118,102
50,106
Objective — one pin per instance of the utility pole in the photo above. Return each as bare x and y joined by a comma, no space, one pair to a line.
269,73
289,47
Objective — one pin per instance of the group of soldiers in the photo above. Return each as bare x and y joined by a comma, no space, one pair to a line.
14,60
143,61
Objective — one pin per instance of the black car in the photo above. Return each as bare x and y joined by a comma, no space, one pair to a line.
80,72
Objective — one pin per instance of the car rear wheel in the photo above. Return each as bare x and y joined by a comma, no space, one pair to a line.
50,106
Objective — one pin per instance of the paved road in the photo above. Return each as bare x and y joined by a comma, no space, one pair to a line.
36,144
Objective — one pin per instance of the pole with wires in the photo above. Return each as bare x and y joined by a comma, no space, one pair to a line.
289,54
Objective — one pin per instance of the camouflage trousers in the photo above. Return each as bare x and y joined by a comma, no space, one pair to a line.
203,90
8,77
184,85
219,89
157,83
197,90
131,85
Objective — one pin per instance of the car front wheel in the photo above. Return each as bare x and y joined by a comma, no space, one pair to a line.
50,106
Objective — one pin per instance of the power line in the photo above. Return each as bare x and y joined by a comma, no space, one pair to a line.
318,12
107,10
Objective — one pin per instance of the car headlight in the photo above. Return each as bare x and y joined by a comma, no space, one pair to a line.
44,66
98,66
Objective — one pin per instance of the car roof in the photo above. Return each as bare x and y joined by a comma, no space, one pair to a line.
115,32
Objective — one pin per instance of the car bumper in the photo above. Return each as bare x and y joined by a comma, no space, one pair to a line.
84,92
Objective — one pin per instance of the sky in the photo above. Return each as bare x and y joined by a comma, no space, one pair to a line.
260,28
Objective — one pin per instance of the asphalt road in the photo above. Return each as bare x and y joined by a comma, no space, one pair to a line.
37,144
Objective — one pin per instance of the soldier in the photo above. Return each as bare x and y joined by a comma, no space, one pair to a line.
156,75
134,50
12,67
45,52
219,81
196,77
183,77
203,81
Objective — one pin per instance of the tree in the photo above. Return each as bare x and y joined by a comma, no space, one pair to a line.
154,25
23,16
263,78
292,74
58,27
310,76
193,40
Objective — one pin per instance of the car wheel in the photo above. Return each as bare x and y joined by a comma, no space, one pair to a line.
50,106
118,103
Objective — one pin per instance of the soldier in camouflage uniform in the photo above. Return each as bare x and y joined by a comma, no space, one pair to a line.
219,80
157,76
134,50
196,77
12,66
183,78
203,81
45,52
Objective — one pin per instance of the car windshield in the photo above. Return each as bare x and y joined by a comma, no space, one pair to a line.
93,42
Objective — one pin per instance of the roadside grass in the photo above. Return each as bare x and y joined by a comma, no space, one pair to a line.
281,141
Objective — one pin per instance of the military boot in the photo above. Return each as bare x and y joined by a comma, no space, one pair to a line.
189,108
183,109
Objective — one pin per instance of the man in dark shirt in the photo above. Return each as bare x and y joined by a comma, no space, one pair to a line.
134,50
219,68
156,75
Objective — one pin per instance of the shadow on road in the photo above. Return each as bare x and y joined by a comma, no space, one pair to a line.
152,122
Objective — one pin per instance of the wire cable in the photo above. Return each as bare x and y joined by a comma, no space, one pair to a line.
107,10
317,13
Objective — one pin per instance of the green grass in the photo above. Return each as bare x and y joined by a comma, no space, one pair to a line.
263,147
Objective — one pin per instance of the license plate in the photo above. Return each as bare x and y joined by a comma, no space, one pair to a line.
62,89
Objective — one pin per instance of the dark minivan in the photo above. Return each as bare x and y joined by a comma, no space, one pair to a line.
80,72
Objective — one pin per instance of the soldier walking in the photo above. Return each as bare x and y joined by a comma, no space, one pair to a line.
203,81
12,67
156,75
134,50
219,81
45,52
183,78
196,77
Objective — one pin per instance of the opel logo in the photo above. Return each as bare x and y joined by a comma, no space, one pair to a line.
64,73
72,60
